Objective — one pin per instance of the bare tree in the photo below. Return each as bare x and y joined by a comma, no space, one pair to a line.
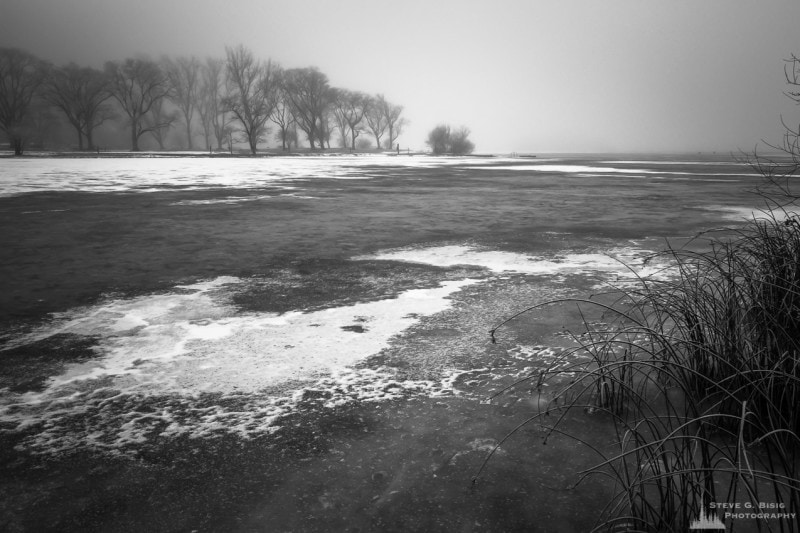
781,170
791,137
184,74
254,92
349,108
41,121
325,129
357,107
376,118
309,94
460,143
792,72
158,121
81,93
339,118
138,85
213,116
283,117
287,136
385,118
394,122
205,104
21,75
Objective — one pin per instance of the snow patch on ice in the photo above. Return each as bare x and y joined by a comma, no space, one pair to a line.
604,171
740,213
195,340
152,174
188,362
110,420
618,261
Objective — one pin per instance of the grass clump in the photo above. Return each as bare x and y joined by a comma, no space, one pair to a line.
699,372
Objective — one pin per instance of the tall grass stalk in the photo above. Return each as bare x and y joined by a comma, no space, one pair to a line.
700,375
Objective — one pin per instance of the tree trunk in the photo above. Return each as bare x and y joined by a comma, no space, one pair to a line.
89,139
134,137
19,144
189,134
253,142
80,140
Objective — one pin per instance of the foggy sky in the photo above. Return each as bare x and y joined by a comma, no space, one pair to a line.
525,76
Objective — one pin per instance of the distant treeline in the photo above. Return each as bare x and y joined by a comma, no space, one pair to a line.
223,101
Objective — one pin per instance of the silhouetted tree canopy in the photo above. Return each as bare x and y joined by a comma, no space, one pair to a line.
394,120
81,93
253,93
184,74
138,85
21,75
310,96
237,92
213,116
349,109
282,115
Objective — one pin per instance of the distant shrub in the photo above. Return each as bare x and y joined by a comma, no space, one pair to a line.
443,141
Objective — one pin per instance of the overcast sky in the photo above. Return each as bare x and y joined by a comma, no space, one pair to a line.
526,76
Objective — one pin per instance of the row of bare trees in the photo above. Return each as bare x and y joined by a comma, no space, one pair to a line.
239,98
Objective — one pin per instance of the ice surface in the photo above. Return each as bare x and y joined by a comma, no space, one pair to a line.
194,341
749,214
143,174
154,174
160,356
602,171
619,260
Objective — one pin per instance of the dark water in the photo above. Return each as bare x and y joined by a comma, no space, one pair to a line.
302,344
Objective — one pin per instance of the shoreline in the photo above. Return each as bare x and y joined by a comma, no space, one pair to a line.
58,154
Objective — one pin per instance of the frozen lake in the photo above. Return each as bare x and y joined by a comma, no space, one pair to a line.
327,314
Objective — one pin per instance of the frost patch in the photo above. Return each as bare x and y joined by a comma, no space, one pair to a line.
188,363
748,214
104,418
618,263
